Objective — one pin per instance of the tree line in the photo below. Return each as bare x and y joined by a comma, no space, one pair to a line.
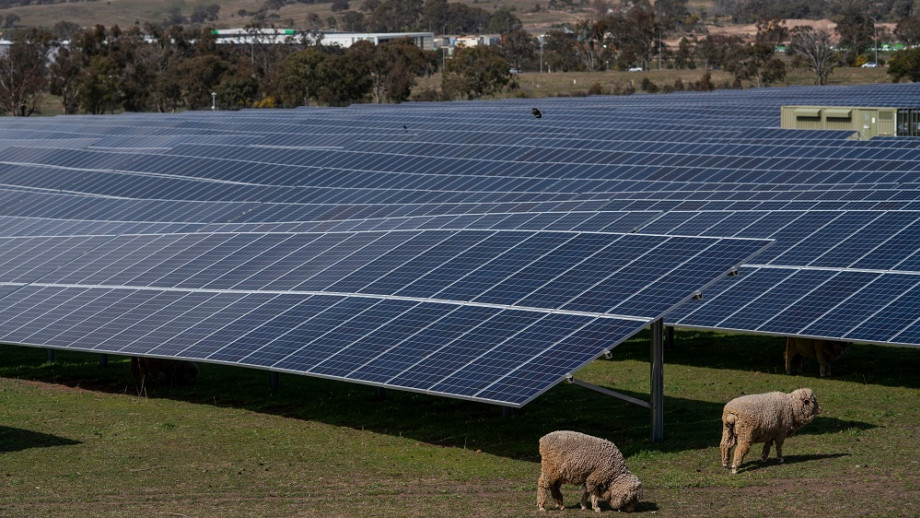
165,68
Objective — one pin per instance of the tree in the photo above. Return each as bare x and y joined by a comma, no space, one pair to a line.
671,13
136,62
198,77
22,72
856,31
391,67
632,35
772,31
715,49
519,48
755,62
908,30
684,57
174,17
465,19
64,30
559,51
202,14
589,44
300,77
396,16
98,91
815,47
352,21
905,63
237,89
503,21
436,16
63,78
10,20
345,80
475,72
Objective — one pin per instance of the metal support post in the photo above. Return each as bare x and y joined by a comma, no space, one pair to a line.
669,338
50,355
274,380
657,380
103,360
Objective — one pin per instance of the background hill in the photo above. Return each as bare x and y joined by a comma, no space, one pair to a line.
238,13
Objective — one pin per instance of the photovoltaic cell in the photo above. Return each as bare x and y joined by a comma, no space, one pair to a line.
462,249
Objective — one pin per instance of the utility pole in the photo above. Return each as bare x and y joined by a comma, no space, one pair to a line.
875,26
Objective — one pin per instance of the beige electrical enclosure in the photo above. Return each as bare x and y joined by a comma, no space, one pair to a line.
867,121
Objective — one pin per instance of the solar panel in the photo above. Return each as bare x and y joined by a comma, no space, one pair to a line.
462,249
296,309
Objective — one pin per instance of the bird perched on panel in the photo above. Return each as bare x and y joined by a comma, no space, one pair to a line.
536,113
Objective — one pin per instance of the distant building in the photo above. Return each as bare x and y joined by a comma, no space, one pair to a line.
424,40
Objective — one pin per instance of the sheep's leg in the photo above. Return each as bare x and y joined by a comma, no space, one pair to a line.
543,486
766,450
779,450
594,504
740,451
824,365
557,495
584,497
728,440
787,356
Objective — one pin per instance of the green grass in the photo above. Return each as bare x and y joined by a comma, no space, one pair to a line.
76,440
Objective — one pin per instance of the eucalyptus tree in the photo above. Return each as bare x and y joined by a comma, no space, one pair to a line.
815,47
23,71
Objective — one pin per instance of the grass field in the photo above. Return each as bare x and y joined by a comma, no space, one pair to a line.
76,440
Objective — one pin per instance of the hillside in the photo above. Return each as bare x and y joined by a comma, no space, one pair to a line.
127,12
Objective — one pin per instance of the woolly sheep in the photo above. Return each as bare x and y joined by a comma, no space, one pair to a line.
764,418
825,351
595,464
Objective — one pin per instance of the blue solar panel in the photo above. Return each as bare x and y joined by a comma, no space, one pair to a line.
483,256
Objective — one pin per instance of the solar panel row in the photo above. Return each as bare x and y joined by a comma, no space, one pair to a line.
462,249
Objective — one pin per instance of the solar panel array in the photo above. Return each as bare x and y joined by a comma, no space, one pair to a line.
459,249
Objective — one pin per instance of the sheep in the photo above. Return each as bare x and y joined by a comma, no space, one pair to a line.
825,351
596,464
148,370
767,418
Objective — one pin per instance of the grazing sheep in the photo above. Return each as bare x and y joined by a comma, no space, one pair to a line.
825,351
767,418
148,370
595,464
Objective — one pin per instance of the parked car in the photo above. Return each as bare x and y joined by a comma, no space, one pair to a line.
870,64
635,69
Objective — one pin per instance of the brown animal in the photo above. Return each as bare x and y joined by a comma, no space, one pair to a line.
825,351
593,463
767,418
151,370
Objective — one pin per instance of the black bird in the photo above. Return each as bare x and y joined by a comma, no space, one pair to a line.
405,128
536,113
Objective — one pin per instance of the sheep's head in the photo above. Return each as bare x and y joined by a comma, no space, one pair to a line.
805,405
624,493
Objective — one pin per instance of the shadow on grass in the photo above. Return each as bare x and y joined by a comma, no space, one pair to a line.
641,507
860,363
17,439
689,424
758,464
